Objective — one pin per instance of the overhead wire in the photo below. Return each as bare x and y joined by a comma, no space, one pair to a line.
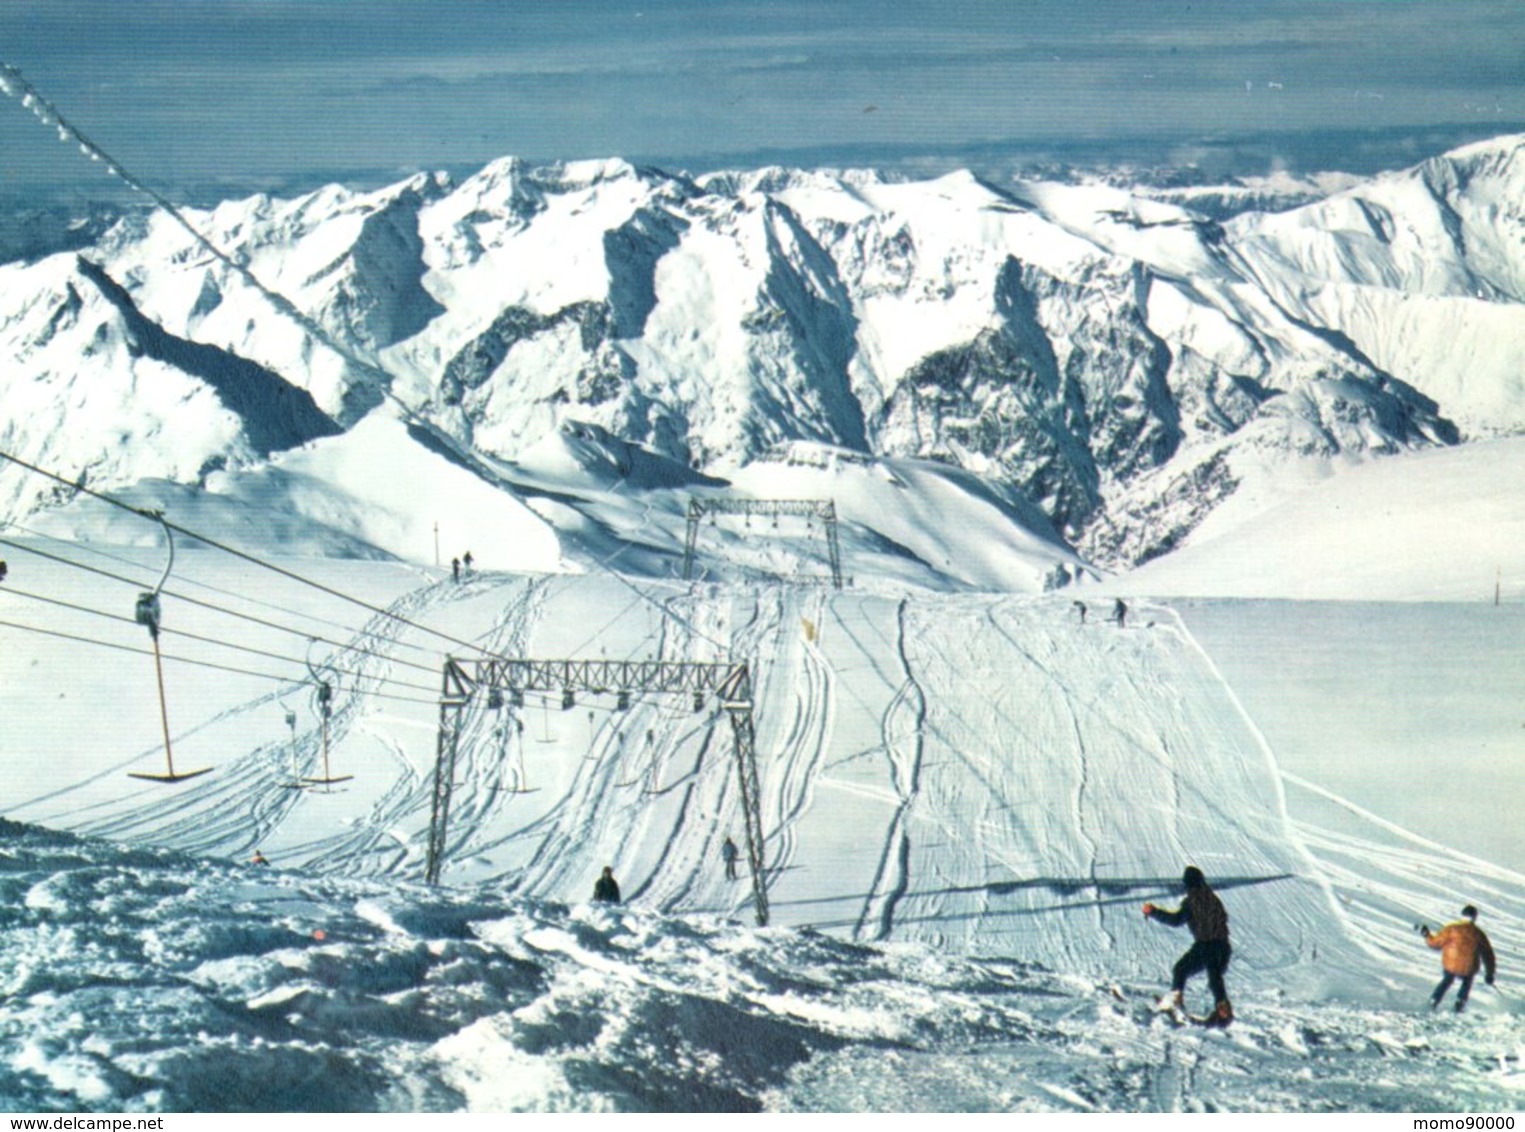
186,579
245,555
343,646
97,642
14,83
165,630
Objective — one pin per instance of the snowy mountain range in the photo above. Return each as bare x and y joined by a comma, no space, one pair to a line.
1105,368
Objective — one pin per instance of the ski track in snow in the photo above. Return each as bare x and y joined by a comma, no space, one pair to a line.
1017,780
250,796
980,774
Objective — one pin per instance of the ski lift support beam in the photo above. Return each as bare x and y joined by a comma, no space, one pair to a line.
730,682
822,509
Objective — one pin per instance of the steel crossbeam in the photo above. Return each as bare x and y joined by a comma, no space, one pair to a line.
730,682
823,509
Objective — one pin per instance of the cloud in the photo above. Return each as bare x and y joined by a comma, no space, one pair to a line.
264,89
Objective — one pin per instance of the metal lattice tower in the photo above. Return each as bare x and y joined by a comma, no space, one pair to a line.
732,682
823,509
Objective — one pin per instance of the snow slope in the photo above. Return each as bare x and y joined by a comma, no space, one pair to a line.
970,794
1435,526
141,980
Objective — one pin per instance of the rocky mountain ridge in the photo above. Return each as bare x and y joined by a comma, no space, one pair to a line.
1124,363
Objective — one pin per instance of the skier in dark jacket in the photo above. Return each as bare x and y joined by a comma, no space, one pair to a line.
731,855
606,889
1204,914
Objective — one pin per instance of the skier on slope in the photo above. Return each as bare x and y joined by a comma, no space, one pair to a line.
1080,609
1204,914
731,854
606,889
1119,612
1464,949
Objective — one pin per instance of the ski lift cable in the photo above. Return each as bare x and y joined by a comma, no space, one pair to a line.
200,663
14,83
604,564
88,549
246,556
215,608
607,625
208,640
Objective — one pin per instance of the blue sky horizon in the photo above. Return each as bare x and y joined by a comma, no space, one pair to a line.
267,93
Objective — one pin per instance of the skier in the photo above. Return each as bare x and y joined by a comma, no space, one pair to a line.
259,859
455,569
1080,608
731,854
466,561
1464,948
1119,612
3,569
1204,914
606,889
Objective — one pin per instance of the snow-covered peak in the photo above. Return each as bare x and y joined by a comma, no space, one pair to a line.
1079,345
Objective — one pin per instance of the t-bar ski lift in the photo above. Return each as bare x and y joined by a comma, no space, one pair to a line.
731,682
148,614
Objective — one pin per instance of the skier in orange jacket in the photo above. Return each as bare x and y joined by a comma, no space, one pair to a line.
1464,949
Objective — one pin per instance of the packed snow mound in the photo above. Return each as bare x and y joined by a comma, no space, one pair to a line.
144,981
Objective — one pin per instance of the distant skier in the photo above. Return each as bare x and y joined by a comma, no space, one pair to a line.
731,855
1204,914
1119,612
466,561
1464,948
3,569
259,859
455,569
606,889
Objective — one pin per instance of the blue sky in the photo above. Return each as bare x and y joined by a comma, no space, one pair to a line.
269,92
